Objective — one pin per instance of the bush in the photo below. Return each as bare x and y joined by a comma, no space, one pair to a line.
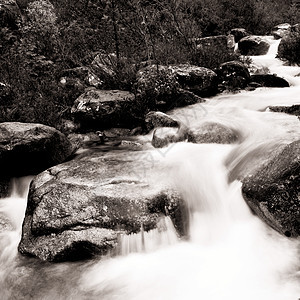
289,48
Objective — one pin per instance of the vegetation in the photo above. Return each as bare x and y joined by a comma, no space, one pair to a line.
41,39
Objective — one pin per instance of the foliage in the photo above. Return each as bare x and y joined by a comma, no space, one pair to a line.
42,38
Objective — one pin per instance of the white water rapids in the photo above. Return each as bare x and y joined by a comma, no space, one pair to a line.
229,255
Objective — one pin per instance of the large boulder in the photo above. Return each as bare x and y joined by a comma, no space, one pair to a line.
105,108
28,148
212,133
253,45
238,33
273,191
269,80
233,75
79,208
281,30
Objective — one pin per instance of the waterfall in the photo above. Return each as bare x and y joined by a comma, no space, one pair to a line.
229,253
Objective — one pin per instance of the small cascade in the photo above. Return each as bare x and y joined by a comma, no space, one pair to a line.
146,241
12,210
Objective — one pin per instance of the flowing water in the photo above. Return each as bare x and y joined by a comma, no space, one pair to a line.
229,254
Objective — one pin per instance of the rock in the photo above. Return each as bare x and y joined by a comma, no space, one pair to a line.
96,109
84,140
28,148
281,30
273,191
113,133
269,80
78,209
238,33
292,110
295,28
68,126
158,119
233,75
163,136
212,133
253,45
199,80
223,43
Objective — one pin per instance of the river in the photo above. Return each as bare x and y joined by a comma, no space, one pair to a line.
229,255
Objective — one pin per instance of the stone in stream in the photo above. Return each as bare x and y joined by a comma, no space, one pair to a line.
232,75
292,110
163,136
269,80
273,190
212,133
253,45
159,119
281,30
78,209
238,33
28,148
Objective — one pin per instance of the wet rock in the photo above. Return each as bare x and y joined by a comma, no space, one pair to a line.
159,119
273,191
83,140
28,148
281,30
77,209
253,45
113,133
238,33
163,136
212,133
97,109
233,75
269,80
292,110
